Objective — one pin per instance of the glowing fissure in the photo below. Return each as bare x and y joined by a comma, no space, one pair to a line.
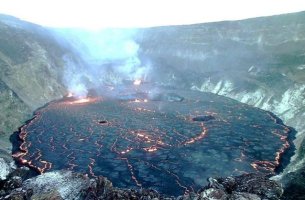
40,165
271,165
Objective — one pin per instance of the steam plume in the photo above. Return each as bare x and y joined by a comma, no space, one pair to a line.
108,56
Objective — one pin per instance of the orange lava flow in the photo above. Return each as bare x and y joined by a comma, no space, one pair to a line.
272,165
85,100
82,101
21,155
151,149
199,137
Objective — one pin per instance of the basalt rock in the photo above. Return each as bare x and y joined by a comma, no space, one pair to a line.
101,188
247,186
66,184
60,185
22,172
213,193
13,183
294,186
203,118
11,186
5,169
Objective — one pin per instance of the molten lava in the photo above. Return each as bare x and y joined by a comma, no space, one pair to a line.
82,101
139,141
79,101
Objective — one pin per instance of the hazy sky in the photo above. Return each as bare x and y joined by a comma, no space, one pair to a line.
141,13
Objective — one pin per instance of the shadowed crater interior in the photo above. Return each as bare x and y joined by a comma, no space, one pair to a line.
140,136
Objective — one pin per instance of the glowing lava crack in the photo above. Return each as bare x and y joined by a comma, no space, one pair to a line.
165,140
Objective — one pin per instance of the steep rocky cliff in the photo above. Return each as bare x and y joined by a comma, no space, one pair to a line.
30,73
259,61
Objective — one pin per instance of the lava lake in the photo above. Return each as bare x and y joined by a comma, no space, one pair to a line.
142,136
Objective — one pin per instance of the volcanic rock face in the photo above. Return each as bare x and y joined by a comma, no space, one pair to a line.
67,185
63,183
30,73
5,169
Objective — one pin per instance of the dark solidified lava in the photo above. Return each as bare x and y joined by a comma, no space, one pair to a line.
150,138
203,118
102,122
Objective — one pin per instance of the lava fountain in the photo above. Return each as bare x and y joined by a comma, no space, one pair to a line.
169,140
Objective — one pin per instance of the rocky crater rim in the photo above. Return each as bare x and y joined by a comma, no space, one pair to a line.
68,185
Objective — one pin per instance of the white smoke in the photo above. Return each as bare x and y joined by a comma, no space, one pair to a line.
108,56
